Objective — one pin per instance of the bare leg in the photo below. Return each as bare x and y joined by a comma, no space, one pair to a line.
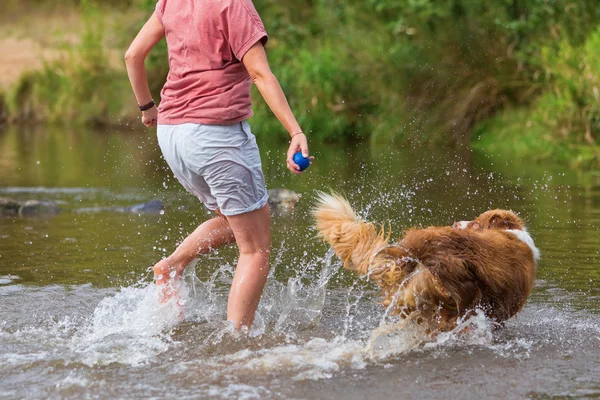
253,236
209,235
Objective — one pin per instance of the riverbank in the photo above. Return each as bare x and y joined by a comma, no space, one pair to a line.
452,77
516,135
59,61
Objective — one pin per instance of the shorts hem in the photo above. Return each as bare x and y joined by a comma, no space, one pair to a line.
256,206
209,208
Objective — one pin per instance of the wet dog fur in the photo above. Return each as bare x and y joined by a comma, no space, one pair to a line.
437,275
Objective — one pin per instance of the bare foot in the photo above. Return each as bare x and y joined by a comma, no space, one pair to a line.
167,277
163,272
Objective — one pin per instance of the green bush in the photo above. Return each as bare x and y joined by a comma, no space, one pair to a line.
321,86
3,109
418,70
517,137
21,6
466,59
570,105
80,87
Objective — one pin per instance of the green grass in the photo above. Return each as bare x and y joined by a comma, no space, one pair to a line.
570,106
515,135
80,87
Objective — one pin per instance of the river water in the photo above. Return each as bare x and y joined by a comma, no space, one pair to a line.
79,316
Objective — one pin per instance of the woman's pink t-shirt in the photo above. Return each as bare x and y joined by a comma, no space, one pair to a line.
207,39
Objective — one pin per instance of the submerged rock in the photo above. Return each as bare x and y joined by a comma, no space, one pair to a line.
29,208
283,196
151,207
38,208
46,208
283,201
9,207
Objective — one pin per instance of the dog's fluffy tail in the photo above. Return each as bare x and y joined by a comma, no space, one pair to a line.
355,241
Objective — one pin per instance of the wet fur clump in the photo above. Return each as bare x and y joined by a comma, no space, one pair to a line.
437,275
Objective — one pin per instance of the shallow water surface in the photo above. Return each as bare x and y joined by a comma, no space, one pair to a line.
79,317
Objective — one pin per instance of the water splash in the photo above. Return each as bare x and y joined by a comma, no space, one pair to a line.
130,327
405,335
133,327
314,360
301,306
290,336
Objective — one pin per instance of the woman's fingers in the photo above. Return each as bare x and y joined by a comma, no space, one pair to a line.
149,122
298,144
293,167
150,117
303,146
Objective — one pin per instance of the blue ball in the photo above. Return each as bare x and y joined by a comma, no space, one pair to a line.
301,161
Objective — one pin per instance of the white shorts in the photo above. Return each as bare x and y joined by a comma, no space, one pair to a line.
220,164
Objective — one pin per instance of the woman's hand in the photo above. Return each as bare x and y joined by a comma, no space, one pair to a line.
150,116
298,143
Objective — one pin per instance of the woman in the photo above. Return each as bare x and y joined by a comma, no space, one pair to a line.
215,53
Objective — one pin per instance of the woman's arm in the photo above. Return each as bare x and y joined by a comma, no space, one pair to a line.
257,65
152,32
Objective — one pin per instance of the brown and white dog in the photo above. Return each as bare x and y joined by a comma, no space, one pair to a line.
437,275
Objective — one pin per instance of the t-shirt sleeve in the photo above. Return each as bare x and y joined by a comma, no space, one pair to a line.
243,27
160,10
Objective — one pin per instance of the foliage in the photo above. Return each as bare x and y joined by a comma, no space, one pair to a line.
420,71
563,124
571,104
470,58
3,109
323,93
516,135
19,6
80,87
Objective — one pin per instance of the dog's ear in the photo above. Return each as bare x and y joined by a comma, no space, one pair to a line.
496,222
504,220
499,219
